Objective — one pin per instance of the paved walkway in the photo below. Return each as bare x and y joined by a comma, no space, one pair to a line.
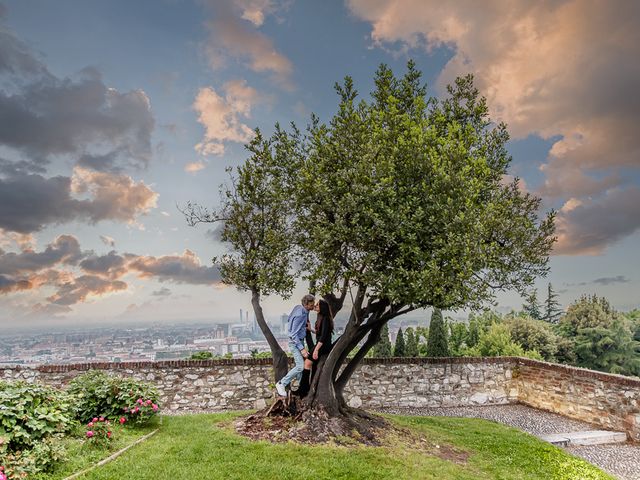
620,460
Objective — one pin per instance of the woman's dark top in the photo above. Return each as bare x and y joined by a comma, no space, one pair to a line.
310,344
324,330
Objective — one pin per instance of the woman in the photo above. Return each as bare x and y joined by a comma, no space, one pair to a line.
323,331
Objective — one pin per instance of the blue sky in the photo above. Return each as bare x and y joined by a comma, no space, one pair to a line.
115,112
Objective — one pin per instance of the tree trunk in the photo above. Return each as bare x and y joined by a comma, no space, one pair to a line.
280,362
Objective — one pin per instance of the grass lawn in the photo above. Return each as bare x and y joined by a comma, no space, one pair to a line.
206,447
82,456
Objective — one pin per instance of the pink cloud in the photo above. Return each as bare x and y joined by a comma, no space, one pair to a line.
223,117
233,34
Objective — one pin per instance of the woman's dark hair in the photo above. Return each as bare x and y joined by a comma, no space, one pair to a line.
324,313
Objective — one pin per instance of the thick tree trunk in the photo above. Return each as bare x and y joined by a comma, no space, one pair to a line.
280,362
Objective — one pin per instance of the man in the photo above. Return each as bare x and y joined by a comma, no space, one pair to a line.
298,319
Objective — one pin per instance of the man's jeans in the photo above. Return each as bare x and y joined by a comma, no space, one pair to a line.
295,372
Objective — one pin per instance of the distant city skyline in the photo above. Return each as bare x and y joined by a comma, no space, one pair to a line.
114,113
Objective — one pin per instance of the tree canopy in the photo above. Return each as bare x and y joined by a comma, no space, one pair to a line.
400,201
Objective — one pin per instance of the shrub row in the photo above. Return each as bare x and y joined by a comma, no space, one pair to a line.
34,418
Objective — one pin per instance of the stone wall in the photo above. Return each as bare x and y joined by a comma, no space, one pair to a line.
431,382
612,401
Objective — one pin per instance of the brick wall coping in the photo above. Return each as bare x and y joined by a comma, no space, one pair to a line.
579,372
573,371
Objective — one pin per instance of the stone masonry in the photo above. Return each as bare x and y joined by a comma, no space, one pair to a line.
611,401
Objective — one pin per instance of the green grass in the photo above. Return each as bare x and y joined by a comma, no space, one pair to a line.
81,456
205,447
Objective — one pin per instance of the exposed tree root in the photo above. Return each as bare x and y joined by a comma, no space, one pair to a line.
291,419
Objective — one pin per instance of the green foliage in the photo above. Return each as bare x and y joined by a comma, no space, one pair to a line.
382,349
31,412
411,345
587,312
201,355
32,418
437,345
101,395
403,195
256,354
458,335
532,334
497,342
399,349
609,349
532,306
552,310
634,318
473,336
255,219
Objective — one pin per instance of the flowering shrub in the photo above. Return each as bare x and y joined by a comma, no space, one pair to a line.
99,432
98,393
32,419
140,412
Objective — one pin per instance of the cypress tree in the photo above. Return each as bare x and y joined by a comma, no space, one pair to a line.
532,307
411,349
553,312
437,345
399,349
382,349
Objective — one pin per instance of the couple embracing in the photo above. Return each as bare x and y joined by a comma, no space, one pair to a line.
306,357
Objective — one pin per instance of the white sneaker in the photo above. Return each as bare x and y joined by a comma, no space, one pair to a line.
281,390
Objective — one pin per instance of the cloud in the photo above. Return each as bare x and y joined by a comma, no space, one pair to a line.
110,265
75,275
233,33
29,202
81,287
221,116
163,292
110,242
194,167
44,116
9,285
587,227
63,250
185,268
560,70
24,241
611,280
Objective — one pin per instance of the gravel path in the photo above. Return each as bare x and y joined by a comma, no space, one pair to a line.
620,460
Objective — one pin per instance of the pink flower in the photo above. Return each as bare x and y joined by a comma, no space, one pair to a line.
95,419
3,476
140,401
148,402
90,424
155,407
102,419
126,409
108,434
136,410
90,434
122,420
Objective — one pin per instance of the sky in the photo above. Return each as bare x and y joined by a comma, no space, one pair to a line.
113,114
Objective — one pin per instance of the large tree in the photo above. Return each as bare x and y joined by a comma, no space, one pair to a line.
402,202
